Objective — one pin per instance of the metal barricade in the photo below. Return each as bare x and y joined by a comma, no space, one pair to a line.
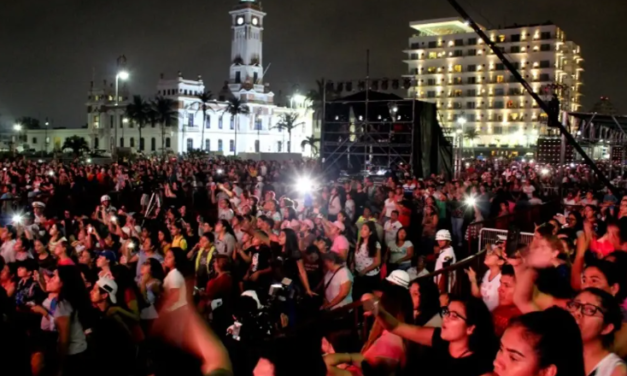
490,236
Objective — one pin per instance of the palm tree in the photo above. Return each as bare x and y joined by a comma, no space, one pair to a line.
235,107
316,98
289,122
166,113
204,98
311,141
138,112
77,144
471,135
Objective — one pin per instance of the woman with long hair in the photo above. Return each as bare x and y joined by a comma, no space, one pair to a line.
150,286
367,261
225,239
178,267
130,300
541,343
165,241
465,345
598,316
426,303
293,264
71,317
383,350
401,250
57,235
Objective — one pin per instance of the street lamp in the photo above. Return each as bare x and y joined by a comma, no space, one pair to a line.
18,129
121,75
297,99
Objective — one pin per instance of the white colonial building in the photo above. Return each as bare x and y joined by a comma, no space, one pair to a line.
256,131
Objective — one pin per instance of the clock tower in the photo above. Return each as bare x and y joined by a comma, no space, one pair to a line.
246,76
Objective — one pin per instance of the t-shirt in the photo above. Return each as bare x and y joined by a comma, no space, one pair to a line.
501,316
340,242
363,259
334,285
260,258
175,280
78,341
446,256
490,290
390,205
476,364
398,252
226,245
7,251
388,346
390,230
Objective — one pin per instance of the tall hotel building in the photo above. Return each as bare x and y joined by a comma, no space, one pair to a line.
453,68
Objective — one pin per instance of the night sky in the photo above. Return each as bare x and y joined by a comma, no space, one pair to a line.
49,50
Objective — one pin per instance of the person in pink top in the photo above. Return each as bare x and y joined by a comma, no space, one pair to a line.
383,350
340,243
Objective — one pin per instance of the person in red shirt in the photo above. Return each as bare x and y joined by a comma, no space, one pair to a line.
506,310
404,213
219,294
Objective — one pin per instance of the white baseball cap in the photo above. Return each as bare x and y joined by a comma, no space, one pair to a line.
252,294
443,235
339,225
110,287
399,278
105,198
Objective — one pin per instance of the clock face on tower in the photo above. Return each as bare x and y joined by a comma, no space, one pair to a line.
255,21
240,20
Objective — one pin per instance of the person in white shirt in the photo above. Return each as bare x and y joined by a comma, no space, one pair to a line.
335,205
7,250
367,262
446,257
391,227
534,200
174,283
389,205
528,188
489,289
338,282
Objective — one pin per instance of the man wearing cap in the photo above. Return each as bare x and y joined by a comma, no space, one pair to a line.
340,243
105,206
111,338
446,257
38,212
106,259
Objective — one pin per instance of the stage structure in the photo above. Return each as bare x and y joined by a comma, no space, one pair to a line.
375,130
604,137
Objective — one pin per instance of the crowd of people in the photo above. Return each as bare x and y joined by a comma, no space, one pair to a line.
193,266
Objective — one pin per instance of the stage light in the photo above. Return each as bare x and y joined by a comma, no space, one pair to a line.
471,201
304,184
88,160
545,171
572,165
51,173
219,171
17,219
